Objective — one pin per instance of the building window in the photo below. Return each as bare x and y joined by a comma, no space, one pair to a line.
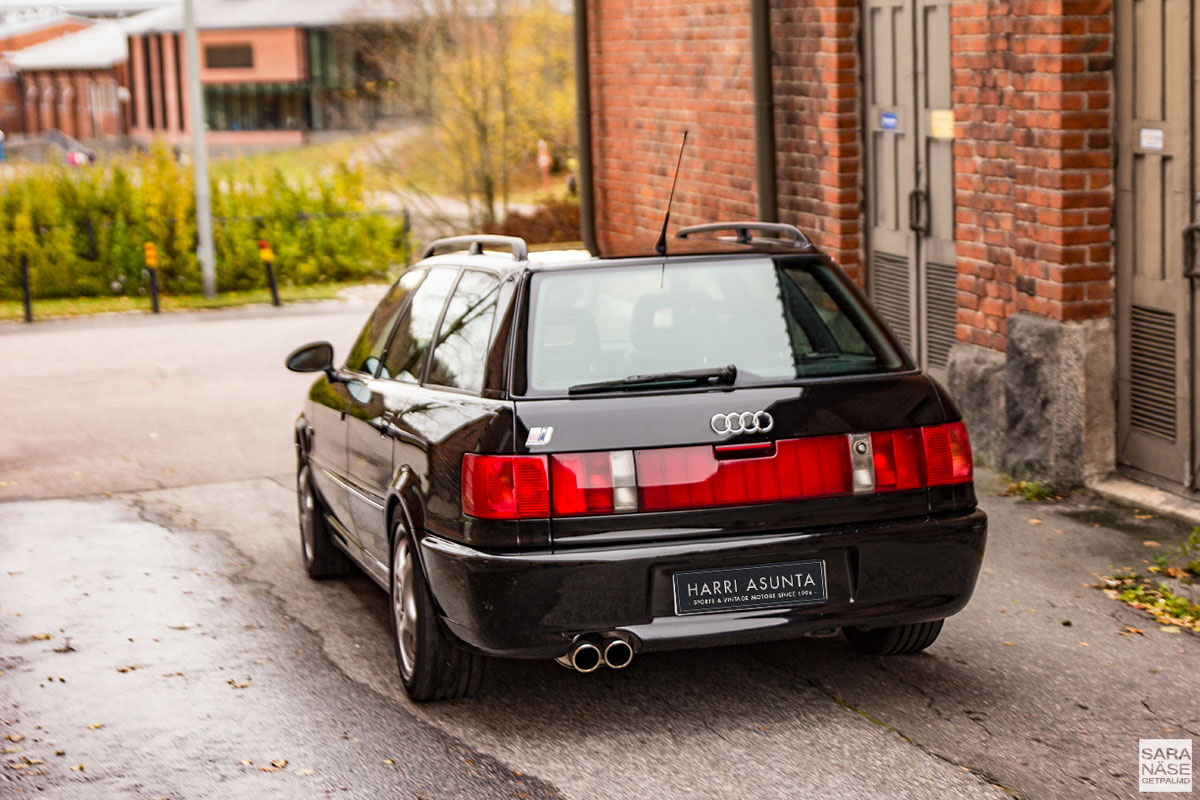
254,106
229,56
148,84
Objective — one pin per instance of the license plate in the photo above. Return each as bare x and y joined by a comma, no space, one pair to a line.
704,591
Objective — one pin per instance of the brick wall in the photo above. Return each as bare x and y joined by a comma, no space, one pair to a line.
817,121
658,68
1033,162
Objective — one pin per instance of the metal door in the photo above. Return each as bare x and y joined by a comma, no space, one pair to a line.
910,173
1156,318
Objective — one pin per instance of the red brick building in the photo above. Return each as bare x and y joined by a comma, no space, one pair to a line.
18,32
269,77
74,83
960,159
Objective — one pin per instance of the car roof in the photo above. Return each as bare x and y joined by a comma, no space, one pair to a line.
554,258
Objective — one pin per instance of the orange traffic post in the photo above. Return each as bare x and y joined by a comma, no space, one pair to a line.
152,274
268,259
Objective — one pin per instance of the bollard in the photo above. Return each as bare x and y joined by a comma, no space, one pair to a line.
26,295
152,274
268,259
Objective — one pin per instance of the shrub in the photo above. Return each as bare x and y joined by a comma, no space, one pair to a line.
553,221
84,230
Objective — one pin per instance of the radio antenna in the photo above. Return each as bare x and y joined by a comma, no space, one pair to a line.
661,247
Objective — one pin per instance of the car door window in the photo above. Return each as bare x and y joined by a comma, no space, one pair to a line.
368,348
406,353
459,356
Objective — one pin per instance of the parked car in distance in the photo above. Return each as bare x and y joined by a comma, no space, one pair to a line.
555,455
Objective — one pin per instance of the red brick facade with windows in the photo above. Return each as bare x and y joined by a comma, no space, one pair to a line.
1032,91
12,116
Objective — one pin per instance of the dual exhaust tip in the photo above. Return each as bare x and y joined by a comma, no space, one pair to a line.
587,655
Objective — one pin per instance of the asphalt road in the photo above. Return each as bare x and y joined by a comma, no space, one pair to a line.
149,536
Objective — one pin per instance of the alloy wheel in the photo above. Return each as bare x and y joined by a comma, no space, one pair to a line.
404,606
304,496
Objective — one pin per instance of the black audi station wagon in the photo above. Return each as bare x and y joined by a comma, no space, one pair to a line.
555,455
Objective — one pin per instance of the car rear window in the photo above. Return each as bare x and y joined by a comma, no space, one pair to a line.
775,320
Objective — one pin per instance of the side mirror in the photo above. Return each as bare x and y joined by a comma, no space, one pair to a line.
314,357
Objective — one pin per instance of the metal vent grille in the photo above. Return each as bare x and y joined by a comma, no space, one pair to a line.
941,306
890,292
1152,371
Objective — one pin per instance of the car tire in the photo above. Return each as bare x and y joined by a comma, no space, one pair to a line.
432,666
894,641
322,558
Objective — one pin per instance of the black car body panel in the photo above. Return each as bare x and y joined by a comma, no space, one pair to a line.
529,586
533,603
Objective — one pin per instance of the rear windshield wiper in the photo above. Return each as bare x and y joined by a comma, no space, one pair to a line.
725,375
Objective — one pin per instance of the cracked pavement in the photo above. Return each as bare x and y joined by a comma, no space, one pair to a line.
150,527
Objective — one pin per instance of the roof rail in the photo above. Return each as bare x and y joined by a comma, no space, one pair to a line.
474,245
742,230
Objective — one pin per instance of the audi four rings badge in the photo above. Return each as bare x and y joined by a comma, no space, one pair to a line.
745,422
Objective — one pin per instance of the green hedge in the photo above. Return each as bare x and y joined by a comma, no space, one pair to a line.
84,230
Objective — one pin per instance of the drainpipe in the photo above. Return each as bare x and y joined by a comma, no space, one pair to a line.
583,105
764,110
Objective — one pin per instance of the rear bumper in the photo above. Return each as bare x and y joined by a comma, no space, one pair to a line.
531,604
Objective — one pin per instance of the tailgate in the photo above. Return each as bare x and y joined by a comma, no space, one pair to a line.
721,461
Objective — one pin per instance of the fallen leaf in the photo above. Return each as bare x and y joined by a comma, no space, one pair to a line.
279,762
245,762
1009,644
15,737
1035,521
183,626
304,772
1132,629
1170,629
10,750
60,752
33,761
130,668
1084,644
37,637
1143,516
243,685
95,726
1059,531
77,767
389,761
1150,543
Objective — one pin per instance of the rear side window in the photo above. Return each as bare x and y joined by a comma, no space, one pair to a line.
774,320
368,348
461,351
406,354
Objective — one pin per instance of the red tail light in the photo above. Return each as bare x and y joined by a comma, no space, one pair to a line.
947,454
705,476
505,487
583,484
693,477
898,460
